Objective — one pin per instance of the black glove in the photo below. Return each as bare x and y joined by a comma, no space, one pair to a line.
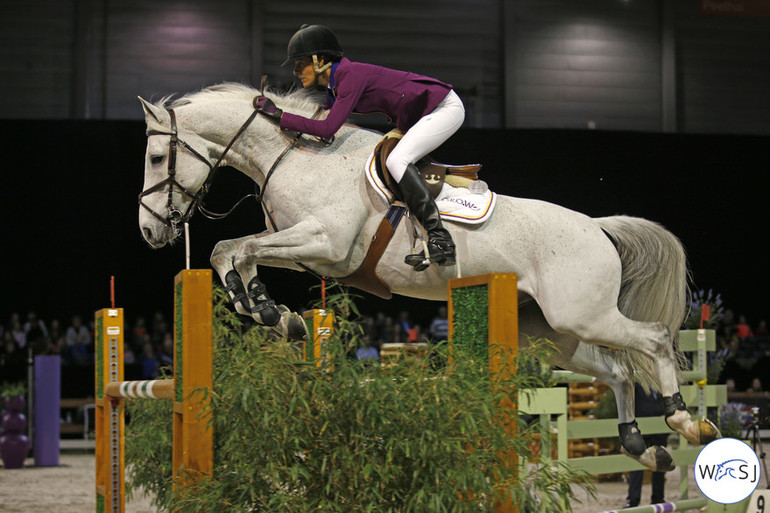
266,107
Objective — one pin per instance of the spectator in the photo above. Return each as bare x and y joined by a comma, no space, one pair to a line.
385,330
11,356
139,333
756,386
36,332
368,351
18,334
165,356
150,365
730,384
56,339
159,328
743,330
77,334
129,358
408,331
439,327
761,330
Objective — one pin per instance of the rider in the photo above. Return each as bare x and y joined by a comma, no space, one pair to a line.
427,110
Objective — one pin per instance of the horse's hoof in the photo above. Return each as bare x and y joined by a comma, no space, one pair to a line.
707,431
697,432
296,329
655,458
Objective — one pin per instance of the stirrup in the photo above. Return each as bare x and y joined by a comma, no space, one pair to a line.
439,255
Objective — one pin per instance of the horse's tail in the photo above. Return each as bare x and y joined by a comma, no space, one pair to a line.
654,282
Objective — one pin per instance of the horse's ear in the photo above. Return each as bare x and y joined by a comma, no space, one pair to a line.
153,112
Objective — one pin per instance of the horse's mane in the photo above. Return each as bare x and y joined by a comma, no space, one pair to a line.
299,101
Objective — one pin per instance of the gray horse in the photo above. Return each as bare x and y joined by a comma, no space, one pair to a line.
610,292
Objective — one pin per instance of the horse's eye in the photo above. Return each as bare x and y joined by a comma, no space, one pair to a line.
156,159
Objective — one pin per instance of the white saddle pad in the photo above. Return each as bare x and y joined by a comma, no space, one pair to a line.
454,203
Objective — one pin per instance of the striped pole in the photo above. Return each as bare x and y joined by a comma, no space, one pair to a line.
664,507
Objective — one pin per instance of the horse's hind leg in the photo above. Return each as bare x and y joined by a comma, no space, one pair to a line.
601,363
652,339
595,361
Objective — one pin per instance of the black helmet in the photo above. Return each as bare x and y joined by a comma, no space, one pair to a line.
312,40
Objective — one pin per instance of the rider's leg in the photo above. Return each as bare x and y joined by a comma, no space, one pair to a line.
425,136
415,192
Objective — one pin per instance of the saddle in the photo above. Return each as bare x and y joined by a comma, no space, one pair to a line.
434,173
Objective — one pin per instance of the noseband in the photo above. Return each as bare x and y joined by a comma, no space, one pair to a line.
176,217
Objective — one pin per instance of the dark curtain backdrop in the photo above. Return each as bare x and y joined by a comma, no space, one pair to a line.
69,210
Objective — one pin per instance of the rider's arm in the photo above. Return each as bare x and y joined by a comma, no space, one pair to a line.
349,91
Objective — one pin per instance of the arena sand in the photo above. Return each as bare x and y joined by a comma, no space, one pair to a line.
69,488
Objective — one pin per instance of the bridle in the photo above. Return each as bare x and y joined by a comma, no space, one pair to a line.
176,217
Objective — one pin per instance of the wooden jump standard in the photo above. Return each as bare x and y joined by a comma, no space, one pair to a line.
484,318
193,452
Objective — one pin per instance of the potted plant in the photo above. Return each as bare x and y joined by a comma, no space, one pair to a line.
14,444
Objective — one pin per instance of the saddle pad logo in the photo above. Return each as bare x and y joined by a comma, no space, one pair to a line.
727,470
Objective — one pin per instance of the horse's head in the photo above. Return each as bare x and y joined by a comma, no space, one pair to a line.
176,176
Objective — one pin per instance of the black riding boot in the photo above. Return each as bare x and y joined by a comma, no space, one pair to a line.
415,193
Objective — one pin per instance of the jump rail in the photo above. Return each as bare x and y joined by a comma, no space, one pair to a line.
193,451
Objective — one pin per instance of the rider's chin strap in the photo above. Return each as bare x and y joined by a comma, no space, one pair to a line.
318,68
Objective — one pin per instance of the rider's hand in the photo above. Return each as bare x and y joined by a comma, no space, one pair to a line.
266,106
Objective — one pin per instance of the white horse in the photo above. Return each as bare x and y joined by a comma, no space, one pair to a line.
610,292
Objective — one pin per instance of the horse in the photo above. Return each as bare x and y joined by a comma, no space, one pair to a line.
609,292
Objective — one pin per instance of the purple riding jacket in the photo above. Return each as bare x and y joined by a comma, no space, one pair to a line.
365,88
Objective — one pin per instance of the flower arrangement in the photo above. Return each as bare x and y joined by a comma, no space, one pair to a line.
700,301
735,416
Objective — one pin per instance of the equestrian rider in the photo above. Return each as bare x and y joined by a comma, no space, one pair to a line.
426,110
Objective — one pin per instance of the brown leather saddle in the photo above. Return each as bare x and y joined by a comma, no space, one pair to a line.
365,277
432,172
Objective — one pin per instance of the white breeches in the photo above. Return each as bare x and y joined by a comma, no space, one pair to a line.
427,134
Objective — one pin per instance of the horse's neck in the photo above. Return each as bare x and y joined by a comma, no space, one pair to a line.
261,145
218,123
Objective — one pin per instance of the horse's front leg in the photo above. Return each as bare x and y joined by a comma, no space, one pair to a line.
237,265
248,294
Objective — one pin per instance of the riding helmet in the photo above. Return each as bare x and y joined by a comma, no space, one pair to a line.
313,40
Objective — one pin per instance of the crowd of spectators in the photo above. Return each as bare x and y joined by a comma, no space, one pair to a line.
150,346
745,349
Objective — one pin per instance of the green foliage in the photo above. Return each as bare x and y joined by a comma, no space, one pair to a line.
13,389
607,407
295,437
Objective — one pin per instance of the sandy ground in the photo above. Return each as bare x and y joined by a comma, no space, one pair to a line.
69,488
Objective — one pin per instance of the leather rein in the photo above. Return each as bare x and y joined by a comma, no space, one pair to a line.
175,217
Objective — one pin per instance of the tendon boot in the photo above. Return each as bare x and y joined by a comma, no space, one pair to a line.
415,193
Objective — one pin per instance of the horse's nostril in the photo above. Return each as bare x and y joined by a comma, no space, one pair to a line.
147,234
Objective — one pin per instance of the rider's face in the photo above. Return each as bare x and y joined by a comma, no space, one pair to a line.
303,70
